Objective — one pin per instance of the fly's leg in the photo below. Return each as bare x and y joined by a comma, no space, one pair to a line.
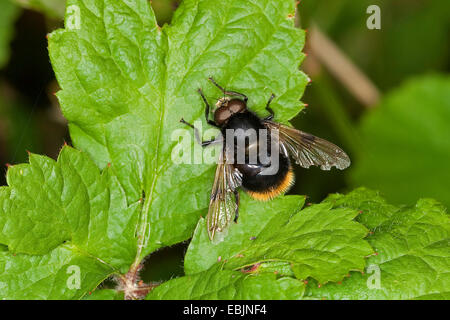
269,109
210,122
197,135
236,198
226,92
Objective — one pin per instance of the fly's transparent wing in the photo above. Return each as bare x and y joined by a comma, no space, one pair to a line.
308,150
222,205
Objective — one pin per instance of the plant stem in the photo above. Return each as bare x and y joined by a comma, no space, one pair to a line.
341,67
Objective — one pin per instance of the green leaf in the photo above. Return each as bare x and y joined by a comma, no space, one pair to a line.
48,276
105,294
126,83
412,245
318,241
8,14
215,284
60,214
406,143
258,217
374,210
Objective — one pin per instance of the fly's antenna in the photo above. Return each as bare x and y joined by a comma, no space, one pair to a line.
228,92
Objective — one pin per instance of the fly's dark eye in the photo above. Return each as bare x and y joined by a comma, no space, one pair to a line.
221,115
236,105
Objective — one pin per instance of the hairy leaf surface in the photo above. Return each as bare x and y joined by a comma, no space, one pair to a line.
54,215
126,83
412,245
217,284
318,241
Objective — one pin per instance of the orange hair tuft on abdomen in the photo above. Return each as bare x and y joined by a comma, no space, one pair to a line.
274,192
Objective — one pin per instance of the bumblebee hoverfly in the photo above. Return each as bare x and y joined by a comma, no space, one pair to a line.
234,120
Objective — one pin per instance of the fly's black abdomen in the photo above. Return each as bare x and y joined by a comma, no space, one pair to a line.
255,180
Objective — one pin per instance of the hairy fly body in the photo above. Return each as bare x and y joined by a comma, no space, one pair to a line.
256,157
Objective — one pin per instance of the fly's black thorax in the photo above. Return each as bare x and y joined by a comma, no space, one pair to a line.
245,131
251,142
253,151
244,120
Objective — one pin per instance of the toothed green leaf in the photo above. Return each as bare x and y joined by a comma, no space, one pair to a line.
318,241
54,214
373,208
216,284
126,83
63,273
412,245
258,217
105,294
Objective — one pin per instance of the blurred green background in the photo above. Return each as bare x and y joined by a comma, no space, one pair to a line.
383,95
